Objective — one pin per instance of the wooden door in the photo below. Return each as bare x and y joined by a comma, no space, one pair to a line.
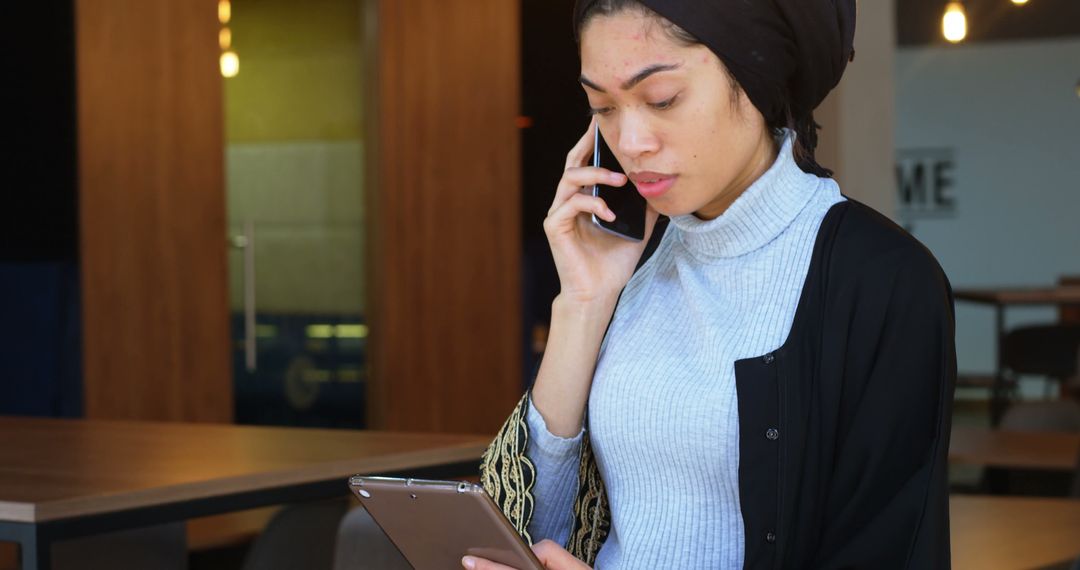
444,192
152,210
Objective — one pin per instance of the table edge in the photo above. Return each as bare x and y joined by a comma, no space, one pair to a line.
49,511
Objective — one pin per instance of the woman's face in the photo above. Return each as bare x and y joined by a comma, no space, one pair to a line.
687,140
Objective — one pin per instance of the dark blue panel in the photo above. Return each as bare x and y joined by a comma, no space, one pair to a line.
40,339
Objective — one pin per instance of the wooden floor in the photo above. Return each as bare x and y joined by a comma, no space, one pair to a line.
1013,532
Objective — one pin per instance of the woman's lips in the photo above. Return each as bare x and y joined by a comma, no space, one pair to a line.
652,184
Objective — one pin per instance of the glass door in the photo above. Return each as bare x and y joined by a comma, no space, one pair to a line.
294,149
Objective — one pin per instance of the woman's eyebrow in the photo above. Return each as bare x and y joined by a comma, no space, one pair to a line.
638,78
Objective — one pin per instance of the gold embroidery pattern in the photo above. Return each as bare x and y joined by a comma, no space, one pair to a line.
508,477
507,474
592,516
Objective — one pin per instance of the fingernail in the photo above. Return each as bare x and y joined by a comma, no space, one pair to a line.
611,215
616,177
468,562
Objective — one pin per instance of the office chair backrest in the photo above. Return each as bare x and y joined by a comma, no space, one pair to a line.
1045,350
1069,314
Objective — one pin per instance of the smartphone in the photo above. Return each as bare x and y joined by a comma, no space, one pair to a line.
435,523
628,205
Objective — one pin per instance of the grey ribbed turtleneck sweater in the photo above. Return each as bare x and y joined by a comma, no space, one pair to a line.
663,411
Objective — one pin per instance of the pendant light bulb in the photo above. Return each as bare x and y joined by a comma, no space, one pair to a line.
954,22
224,11
230,64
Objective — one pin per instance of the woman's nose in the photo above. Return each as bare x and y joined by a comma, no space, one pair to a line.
636,139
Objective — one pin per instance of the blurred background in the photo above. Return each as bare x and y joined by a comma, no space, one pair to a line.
327,214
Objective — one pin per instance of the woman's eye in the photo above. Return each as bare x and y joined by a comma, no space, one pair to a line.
663,104
604,111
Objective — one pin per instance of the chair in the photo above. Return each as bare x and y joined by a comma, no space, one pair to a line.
1050,351
323,535
1069,314
362,545
1075,491
301,535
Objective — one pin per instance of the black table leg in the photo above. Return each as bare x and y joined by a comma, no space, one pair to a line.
998,395
36,551
35,545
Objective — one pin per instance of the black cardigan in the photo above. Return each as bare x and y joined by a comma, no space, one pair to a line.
844,429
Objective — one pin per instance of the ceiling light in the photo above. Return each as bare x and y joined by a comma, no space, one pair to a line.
954,22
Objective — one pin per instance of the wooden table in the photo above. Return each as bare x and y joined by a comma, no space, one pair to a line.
63,479
1050,451
1010,532
1000,298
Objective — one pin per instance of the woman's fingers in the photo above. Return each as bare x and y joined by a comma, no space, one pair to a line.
555,557
582,149
565,214
551,555
577,175
474,563
575,179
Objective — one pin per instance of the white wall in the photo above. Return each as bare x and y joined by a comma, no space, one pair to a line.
856,140
1011,114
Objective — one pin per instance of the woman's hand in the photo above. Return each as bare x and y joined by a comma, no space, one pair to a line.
592,264
553,557
593,267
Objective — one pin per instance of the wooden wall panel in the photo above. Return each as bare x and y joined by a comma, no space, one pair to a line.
444,203
152,210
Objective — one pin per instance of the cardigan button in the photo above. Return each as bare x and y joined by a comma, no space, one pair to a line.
770,537
768,358
772,434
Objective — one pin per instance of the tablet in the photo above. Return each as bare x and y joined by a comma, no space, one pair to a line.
435,523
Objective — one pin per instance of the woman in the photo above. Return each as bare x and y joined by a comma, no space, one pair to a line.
766,381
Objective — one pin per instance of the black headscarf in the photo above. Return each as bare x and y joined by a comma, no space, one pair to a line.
786,54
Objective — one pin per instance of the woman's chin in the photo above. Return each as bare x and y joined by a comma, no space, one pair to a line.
667,206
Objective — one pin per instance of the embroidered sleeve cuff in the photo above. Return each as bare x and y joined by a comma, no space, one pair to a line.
547,444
